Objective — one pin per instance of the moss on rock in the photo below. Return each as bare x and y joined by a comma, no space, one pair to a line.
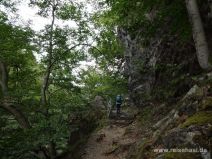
199,118
206,104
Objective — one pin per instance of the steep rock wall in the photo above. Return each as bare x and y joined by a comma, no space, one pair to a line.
146,66
162,66
139,64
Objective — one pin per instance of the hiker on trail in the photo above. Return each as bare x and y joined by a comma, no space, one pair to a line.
118,103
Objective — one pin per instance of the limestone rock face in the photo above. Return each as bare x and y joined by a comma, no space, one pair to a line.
155,63
139,65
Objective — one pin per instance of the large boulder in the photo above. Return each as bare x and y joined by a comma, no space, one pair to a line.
98,103
194,92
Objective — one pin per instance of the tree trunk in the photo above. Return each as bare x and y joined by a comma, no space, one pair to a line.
4,78
52,153
45,86
201,44
19,116
210,5
49,64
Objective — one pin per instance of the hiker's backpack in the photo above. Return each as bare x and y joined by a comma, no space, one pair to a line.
118,99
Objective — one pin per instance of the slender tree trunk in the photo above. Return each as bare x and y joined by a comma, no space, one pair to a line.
45,86
199,37
4,78
52,146
49,64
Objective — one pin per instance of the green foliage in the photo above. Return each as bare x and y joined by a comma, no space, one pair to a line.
15,42
69,11
148,17
16,53
110,52
49,123
102,84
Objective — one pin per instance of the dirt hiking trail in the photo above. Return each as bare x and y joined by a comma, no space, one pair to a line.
114,140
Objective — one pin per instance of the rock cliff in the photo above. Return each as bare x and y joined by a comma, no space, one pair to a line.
174,95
